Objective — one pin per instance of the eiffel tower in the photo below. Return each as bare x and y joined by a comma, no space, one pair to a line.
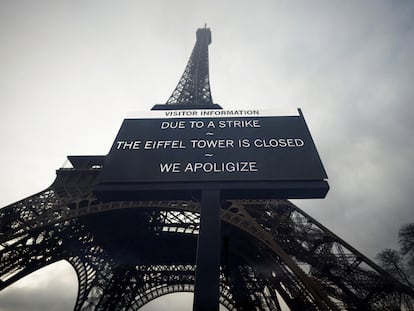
128,253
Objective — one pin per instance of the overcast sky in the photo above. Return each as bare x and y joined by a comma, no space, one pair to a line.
71,70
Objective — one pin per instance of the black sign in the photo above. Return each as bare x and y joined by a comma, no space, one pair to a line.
190,150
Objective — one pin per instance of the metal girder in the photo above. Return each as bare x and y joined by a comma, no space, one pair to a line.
270,249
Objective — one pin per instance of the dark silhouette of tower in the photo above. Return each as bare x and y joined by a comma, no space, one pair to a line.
127,253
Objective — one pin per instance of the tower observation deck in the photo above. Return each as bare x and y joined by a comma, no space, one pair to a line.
128,252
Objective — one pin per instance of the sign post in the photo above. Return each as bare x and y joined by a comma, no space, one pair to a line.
207,277
211,155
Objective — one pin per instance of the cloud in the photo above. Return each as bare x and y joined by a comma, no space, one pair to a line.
48,289
71,72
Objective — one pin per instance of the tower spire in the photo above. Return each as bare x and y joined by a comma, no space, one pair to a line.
193,89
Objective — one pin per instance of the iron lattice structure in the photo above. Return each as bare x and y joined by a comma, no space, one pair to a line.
127,253
194,85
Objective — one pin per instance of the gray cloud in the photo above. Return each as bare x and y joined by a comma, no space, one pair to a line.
71,71
48,289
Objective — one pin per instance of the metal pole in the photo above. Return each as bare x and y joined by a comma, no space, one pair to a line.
207,274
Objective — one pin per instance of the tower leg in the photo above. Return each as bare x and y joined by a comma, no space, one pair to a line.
207,275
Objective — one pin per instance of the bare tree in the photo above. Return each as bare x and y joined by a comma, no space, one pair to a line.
406,238
400,263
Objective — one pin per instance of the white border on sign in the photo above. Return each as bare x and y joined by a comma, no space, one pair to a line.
202,113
